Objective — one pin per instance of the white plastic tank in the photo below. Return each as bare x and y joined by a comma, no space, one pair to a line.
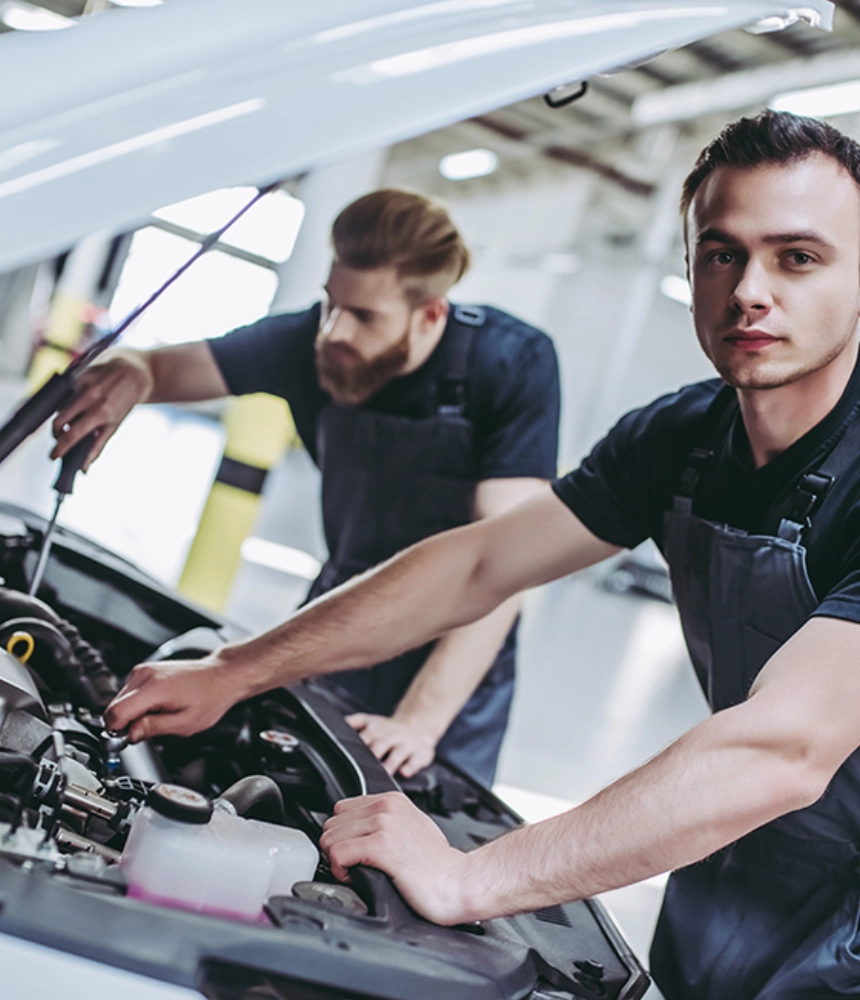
183,853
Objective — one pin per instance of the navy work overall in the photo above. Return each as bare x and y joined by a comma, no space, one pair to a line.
388,482
775,915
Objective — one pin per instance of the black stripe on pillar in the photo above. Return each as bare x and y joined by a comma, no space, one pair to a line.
242,476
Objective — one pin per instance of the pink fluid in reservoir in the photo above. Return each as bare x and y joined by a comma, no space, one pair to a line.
138,892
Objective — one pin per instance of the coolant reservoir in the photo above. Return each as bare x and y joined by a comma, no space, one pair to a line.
182,853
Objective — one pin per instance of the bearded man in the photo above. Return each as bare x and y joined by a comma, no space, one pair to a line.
421,416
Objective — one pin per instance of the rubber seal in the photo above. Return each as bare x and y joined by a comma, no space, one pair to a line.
182,804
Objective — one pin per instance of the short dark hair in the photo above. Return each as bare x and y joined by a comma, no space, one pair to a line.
406,231
771,137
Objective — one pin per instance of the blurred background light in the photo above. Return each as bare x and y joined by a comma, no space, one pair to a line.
283,558
674,287
470,163
821,102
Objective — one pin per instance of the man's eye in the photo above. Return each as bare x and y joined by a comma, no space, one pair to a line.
800,258
722,258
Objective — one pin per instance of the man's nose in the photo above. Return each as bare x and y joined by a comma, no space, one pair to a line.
337,328
753,293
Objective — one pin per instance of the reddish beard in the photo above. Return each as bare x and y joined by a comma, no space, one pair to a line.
357,380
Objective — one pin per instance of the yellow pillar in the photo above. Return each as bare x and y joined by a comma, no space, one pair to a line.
259,427
73,307
66,322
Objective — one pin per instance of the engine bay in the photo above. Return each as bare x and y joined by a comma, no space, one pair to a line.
104,850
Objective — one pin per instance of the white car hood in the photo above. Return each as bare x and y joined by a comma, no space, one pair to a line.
129,111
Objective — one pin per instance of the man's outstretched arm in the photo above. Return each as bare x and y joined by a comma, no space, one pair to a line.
736,771
437,585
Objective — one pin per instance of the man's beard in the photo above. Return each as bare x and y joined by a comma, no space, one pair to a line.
357,381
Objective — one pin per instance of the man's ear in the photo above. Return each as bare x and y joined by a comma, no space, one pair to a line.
687,275
433,311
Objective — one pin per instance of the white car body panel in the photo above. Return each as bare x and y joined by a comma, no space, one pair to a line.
72,977
128,112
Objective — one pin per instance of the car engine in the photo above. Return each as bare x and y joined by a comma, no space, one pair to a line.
97,834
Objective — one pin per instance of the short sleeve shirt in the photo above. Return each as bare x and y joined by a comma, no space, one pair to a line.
512,388
622,490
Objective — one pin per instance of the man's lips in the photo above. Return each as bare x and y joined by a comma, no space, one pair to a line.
339,354
750,340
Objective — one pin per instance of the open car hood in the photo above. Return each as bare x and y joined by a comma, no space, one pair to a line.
130,111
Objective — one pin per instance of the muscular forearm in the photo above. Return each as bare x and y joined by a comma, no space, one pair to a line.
185,373
457,665
442,583
717,783
409,600
180,374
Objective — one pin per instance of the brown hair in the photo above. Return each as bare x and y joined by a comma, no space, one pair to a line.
772,137
406,231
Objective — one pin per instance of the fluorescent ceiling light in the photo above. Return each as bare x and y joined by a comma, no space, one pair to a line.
470,163
676,288
283,558
821,102
25,17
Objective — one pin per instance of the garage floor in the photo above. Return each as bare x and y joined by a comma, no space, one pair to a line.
604,681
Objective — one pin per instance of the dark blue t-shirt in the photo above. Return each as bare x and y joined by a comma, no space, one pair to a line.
624,487
512,387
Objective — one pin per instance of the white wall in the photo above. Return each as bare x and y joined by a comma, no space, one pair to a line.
524,240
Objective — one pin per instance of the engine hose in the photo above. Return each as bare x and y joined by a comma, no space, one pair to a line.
14,604
256,797
92,661
54,661
9,758
18,760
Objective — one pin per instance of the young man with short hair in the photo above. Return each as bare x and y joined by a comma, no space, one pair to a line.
421,416
750,484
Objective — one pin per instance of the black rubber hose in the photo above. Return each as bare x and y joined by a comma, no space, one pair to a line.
104,682
54,660
257,797
14,604
18,760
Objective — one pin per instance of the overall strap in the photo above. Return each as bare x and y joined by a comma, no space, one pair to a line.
452,385
714,425
813,486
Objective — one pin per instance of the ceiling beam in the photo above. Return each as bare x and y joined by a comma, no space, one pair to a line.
748,88
569,155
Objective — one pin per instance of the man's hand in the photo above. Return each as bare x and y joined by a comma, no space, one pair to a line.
181,697
390,833
403,746
105,394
